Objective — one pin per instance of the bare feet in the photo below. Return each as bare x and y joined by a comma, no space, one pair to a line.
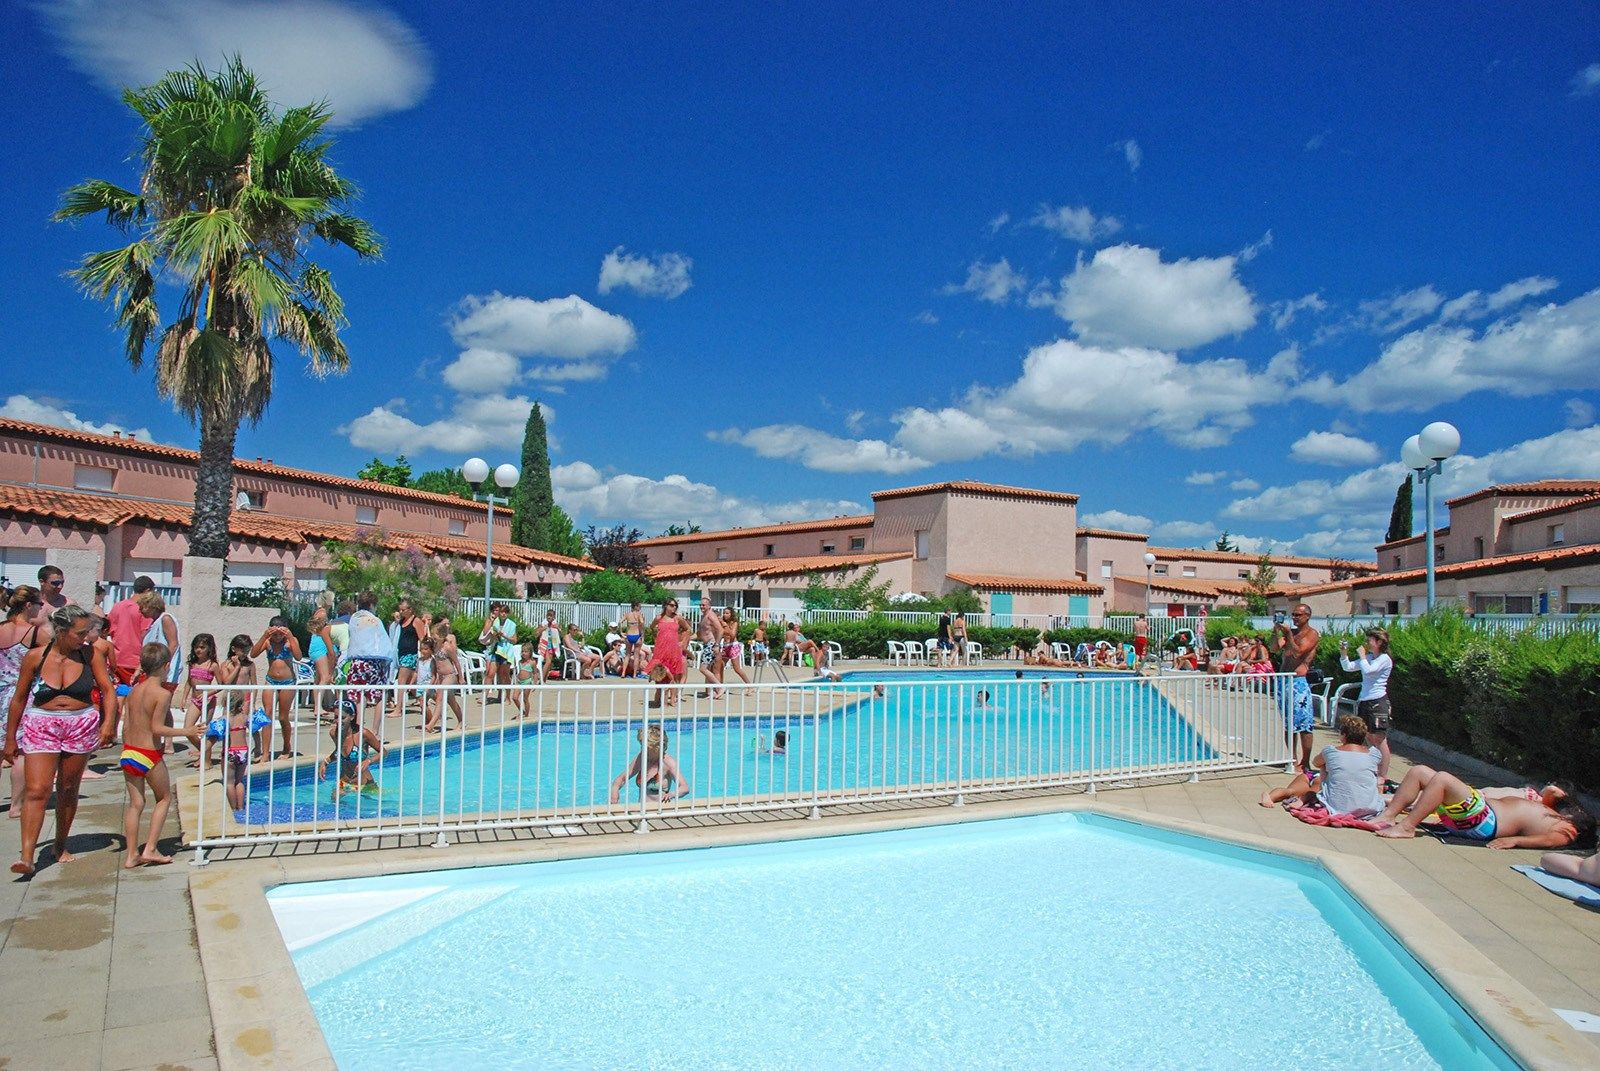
1266,799
131,863
154,858
23,867
1398,831
64,856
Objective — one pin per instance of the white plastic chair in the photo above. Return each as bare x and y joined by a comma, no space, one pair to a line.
1061,652
897,653
835,653
974,651
477,667
915,652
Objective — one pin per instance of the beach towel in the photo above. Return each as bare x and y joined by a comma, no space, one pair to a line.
1578,892
1321,816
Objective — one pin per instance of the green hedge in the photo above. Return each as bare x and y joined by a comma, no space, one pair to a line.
1517,700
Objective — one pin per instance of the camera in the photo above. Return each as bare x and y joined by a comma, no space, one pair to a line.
1279,617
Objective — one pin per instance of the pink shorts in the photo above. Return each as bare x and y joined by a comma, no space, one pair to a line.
43,732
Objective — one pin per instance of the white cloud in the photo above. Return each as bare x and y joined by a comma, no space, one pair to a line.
1548,348
1333,448
1353,544
662,276
999,221
818,450
1256,248
1398,311
1115,518
1244,483
1569,454
566,328
1284,312
1475,303
1580,414
482,371
1076,223
1126,295
47,411
1317,140
925,317
1193,533
363,59
586,493
475,423
1130,152
1205,479
994,282
1586,81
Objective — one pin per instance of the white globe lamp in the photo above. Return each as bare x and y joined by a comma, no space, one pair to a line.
506,476
1439,440
1411,453
475,471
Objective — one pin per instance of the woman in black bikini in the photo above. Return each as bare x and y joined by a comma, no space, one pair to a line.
53,729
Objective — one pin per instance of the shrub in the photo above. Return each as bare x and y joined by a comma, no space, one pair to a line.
608,585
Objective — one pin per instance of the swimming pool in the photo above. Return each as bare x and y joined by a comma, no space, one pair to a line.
926,729
1062,940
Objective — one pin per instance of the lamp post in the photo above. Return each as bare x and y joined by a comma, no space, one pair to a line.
1425,454
475,471
1149,564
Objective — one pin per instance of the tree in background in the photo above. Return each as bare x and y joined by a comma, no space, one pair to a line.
858,594
1258,584
444,482
1225,543
230,196
533,499
377,470
1341,569
1400,515
680,529
613,548
957,601
608,585
564,535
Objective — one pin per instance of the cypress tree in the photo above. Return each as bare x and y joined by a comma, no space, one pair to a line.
1400,515
533,498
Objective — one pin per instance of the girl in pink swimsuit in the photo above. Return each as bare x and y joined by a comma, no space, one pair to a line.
668,654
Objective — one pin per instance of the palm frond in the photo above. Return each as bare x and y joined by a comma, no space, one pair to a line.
203,239
317,285
294,130
122,207
259,286
353,232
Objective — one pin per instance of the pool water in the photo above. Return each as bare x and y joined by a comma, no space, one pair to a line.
909,736
1058,941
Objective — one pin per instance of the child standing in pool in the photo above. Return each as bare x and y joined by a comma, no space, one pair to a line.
355,749
652,769
282,651
144,755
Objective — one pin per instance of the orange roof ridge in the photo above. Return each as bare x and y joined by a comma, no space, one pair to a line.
1530,487
974,487
1276,559
820,563
1484,565
1559,507
1048,585
1111,533
257,468
863,520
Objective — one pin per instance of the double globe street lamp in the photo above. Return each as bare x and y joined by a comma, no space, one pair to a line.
475,471
1425,454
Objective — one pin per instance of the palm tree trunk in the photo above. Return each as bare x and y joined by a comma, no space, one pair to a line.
213,487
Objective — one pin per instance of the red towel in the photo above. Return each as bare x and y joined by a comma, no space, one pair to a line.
1320,816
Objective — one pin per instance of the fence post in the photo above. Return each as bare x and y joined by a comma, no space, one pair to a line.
816,753
960,799
200,823
441,841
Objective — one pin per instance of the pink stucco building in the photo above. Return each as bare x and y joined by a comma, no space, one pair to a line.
127,503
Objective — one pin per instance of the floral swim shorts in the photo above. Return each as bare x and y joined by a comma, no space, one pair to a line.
48,732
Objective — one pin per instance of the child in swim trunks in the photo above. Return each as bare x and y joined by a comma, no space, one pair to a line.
143,756
1502,822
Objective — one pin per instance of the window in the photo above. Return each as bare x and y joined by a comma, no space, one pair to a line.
1294,577
161,570
1188,570
366,514
1502,604
311,579
858,542
249,575
1583,600
1397,561
1438,552
829,548
1161,570
458,528
20,565
1244,574
922,545
251,499
770,549
1105,570
1477,547
722,554
677,556
1558,534
90,478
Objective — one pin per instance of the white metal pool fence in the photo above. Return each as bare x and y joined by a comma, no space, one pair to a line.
551,755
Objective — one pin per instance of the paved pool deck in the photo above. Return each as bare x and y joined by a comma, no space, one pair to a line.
101,967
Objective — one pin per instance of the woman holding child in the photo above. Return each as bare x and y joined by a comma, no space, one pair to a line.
53,728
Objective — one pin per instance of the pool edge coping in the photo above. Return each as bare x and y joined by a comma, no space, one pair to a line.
262,1016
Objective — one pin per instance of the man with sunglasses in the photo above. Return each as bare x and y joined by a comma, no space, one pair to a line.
52,585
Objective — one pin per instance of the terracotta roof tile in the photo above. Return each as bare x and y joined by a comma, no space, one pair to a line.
1193,554
1505,563
1190,585
770,567
1534,487
1559,507
822,525
1112,533
140,448
1046,585
972,487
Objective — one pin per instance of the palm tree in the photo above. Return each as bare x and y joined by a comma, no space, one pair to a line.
230,196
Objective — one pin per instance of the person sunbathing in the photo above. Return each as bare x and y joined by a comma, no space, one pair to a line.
1349,776
1512,821
1575,867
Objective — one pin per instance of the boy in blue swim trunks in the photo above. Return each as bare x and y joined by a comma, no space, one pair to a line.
1501,821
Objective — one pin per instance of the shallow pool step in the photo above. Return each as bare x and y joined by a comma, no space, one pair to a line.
377,936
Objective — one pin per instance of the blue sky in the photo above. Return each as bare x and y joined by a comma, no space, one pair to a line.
1204,266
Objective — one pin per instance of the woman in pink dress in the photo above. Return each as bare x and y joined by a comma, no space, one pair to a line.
668,654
